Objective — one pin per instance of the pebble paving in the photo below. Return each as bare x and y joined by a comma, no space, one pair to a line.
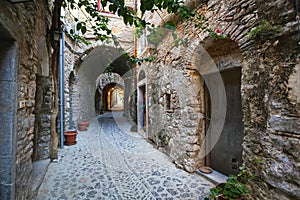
110,162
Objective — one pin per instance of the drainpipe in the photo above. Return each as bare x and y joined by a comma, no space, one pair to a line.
135,65
135,39
62,88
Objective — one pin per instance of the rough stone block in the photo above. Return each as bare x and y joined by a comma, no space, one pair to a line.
285,124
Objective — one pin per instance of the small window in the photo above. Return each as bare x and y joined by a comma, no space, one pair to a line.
142,75
168,103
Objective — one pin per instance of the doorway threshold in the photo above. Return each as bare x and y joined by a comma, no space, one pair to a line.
215,177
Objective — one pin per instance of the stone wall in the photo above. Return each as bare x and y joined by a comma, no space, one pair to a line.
26,23
175,112
271,109
270,91
271,116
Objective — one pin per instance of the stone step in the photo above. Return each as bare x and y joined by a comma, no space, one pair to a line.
38,173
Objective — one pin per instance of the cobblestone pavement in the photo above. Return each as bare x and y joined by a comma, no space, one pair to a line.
110,162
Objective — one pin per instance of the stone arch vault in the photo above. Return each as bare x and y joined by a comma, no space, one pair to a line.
88,67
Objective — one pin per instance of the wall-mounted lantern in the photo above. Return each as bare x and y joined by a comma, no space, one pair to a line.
56,35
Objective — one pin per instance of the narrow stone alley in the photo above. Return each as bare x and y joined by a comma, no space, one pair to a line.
110,162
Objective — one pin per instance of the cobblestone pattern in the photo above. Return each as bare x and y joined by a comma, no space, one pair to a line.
113,163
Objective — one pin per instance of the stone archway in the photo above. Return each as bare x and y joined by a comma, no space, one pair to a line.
94,62
8,109
104,81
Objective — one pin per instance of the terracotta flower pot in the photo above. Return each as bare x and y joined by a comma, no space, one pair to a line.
70,137
87,122
82,126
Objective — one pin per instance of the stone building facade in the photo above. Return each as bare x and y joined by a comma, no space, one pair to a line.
255,68
26,98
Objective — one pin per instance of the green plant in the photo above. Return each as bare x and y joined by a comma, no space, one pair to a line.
233,188
217,35
264,29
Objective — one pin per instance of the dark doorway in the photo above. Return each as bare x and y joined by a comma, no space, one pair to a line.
143,113
142,108
8,109
226,156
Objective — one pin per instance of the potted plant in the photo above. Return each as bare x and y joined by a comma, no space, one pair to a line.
82,125
233,189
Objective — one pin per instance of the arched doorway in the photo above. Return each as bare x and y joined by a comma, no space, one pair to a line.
110,88
226,155
8,109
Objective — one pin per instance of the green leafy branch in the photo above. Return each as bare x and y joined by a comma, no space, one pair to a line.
99,23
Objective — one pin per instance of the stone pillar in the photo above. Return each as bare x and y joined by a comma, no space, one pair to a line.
42,134
8,130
